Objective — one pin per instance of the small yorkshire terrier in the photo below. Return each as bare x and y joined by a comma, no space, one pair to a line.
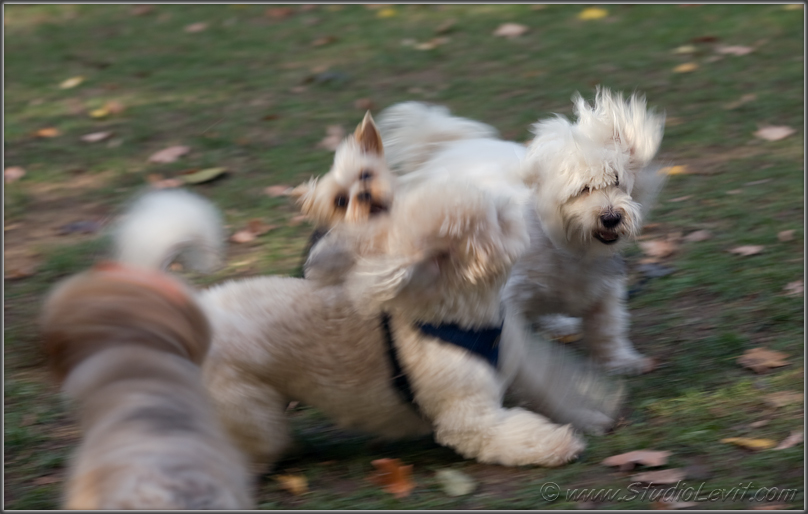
374,338
586,188
127,344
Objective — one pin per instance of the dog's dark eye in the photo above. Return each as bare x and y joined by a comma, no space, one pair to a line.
585,190
341,201
616,182
366,175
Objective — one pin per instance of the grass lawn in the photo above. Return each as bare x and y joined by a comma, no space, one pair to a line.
255,89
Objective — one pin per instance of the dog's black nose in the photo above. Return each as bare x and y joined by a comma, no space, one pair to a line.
364,197
611,219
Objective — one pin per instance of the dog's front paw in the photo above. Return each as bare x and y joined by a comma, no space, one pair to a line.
629,364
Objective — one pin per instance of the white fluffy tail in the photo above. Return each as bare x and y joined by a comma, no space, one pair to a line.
161,226
413,131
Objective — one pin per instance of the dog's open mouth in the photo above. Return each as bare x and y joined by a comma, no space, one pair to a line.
378,208
607,238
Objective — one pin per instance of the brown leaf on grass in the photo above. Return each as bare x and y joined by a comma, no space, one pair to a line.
275,191
335,135
325,40
96,137
364,104
662,476
431,44
742,100
387,12
761,360
685,49
446,26
686,67
658,248
774,133
675,170
48,132
279,13
297,220
794,288
783,398
243,236
750,443
627,461
295,484
796,437
158,182
170,154
255,228
141,9
510,30
71,82
698,235
734,50
785,235
202,176
196,27
13,174
747,250
393,477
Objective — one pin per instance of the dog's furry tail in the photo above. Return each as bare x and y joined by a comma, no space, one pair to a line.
413,131
161,226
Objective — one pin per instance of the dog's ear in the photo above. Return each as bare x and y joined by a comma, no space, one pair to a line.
647,184
368,137
303,195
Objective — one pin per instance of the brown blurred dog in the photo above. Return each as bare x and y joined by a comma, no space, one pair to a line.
127,344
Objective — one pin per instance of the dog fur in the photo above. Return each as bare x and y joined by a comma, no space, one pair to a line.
434,258
585,187
127,345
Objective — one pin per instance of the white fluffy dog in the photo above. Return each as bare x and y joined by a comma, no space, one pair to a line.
344,340
585,188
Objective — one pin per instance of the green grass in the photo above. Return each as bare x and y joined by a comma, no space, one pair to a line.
245,94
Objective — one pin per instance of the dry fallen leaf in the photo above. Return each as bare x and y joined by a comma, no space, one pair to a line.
734,50
675,170
431,44
662,476
48,132
749,443
279,13
50,479
13,174
364,104
335,136
783,398
627,461
258,227
774,133
393,477
455,483
686,67
141,9
96,137
170,154
202,176
243,236
685,49
322,41
196,27
785,235
760,359
446,26
742,100
747,250
592,13
295,484
71,82
657,248
275,191
387,12
794,288
758,424
795,438
510,30
297,220
698,235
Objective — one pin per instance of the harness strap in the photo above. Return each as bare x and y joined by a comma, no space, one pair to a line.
400,380
483,342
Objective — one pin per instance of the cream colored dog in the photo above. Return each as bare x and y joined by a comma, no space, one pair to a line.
127,343
585,188
336,341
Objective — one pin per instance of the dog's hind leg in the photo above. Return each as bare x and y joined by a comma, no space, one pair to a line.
253,416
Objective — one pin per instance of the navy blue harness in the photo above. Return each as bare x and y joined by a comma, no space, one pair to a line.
483,342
